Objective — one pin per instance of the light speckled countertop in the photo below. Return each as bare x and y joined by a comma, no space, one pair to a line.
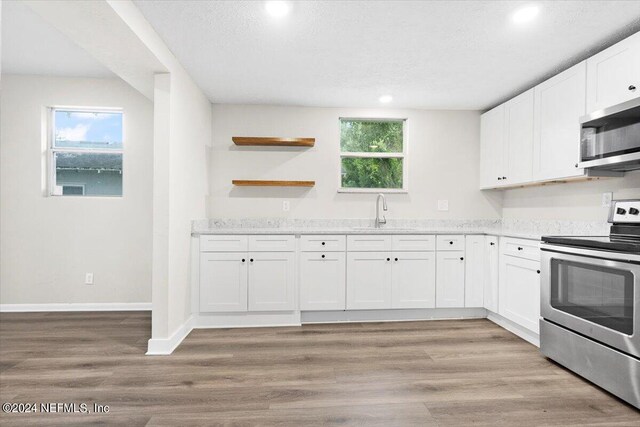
524,229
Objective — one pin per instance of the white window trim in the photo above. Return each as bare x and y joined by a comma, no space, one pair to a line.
403,156
51,150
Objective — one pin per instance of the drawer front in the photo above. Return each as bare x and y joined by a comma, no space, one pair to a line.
450,242
413,243
321,243
369,243
224,243
284,243
521,248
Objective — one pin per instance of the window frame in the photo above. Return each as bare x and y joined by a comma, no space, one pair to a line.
363,155
52,149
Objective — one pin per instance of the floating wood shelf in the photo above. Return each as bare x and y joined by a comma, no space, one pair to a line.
273,142
259,183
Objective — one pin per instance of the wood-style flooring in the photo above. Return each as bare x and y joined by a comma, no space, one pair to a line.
437,373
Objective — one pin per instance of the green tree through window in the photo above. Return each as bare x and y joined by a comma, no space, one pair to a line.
372,153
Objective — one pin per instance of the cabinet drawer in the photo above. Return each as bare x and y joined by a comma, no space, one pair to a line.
272,243
521,248
367,243
323,243
413,243
450,242
226,243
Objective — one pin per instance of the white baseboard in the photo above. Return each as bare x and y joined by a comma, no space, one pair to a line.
108,306
247,320
514,328
165,346
399,315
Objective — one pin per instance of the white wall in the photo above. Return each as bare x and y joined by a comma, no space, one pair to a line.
49,243
182,132
443,162
190,130
569,201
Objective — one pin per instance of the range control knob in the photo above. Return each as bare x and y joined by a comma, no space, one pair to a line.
633,211
621,211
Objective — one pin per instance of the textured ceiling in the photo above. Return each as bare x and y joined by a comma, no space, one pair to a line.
445,54
30,45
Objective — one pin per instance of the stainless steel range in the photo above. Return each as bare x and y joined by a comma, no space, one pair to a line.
590,303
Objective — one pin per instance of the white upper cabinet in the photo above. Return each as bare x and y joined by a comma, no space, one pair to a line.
535,137
518,143
613,75
559,104
506,143
491,147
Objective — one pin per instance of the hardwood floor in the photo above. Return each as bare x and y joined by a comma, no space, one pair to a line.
444,373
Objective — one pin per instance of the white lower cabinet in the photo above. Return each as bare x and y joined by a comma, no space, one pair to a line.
491,273
223,281
271,280
450,279
369,280
519,299
413,280
237,281
322,280
475,267
470,271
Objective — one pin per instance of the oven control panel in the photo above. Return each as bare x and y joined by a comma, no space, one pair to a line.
625,212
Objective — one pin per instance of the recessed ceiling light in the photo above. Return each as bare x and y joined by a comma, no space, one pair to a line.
277,9
525,14
385,99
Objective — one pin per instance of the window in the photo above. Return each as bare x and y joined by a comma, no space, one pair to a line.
86,152
372,154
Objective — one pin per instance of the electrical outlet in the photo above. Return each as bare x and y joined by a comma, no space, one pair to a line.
443,205
286,206
607,198
88,279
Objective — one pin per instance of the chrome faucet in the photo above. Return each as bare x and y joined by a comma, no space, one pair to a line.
379,221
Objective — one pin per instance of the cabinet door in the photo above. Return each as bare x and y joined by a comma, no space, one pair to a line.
613,74
491,147
450,279
491,274
520,291
518,115
271,281
413,280
559,104
368,280
475,271
223,281
322,280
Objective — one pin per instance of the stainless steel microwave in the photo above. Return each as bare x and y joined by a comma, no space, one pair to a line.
610,138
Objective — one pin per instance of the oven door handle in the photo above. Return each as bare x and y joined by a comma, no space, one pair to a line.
591,253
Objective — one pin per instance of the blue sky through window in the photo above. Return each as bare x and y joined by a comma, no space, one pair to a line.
85,129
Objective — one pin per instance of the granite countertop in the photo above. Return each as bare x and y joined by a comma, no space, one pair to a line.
350,231
517,228
523,229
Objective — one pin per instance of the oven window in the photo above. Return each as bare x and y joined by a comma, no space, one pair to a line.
598,294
